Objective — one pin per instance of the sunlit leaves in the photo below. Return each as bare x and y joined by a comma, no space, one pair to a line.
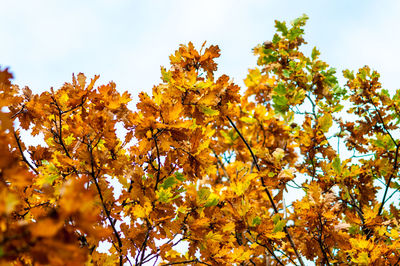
199,163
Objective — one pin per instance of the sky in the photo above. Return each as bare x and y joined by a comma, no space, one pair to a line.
44,41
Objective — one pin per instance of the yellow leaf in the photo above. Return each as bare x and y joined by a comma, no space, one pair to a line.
359,243
142,211
229,227
82,80
325,122
68,140
362,259
239,187
8,201
278,154
114,104
63,98
277,235
172,113
201,223
173,253
214,236
286,174
208,111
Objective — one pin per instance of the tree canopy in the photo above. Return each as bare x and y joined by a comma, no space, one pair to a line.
202,171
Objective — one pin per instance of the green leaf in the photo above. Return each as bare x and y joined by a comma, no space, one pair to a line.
180,176
383,141
396,96
208,111
348,74
276,218
276,38
280,100
299,96
375,74
354,229
294,33
300,21
169,182
363,73
337,108
286,73
331,71
271,58
385,92
281,27
212,200
314,54
164,195
336,164
325,122
280,89
165,75
256,221
395,185
280,103
203,194
279,226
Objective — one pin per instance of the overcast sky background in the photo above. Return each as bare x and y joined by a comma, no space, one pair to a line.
45,41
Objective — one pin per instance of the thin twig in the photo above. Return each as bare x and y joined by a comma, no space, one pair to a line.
17,138
142,250
389,180
221,164
158,162
186,262
321,245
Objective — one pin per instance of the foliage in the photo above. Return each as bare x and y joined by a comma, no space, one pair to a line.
199,174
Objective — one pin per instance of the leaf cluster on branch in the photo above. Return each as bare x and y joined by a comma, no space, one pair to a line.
203,172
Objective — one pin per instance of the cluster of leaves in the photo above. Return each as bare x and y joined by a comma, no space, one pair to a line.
202,170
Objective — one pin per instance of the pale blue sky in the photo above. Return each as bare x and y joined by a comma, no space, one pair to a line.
45,41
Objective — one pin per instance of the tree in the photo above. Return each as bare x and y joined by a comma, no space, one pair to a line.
197,173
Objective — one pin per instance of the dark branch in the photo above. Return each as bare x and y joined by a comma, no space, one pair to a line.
288,236
186,262
107,212
17,138
395,166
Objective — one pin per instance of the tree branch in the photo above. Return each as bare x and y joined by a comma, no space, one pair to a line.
288,236
17,138
107,212
186,262
395,166
321,245
158,162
